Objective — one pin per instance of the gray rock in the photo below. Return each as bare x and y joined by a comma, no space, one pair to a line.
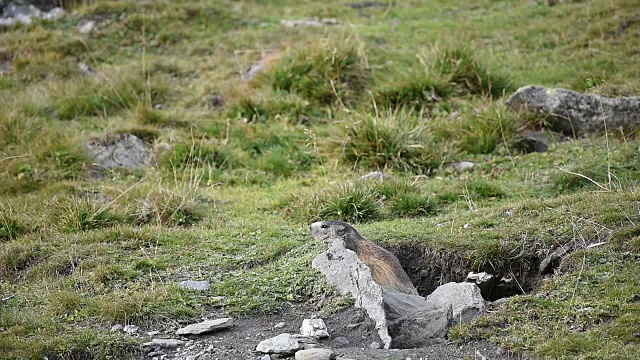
376,175
464,298
284,344
309,22
206,326
552,261
315,354
402,320
195,285
342,341
24,14
252,71
125,151
117,327
460,166
131,329
577,114
163,343
307,340
266,357
375,345
315,328
533,141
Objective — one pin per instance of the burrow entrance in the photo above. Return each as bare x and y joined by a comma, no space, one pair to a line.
430,268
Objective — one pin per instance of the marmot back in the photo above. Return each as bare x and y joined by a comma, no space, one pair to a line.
385,267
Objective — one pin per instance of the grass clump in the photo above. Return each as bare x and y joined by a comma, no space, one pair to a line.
325,75
70,214
102,97
462,69
175,207
351,203
291,107
395,140
418,91
10,226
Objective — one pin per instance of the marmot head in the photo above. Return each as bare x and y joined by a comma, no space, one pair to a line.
330,230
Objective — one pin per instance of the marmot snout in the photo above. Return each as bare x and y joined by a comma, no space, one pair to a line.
385,267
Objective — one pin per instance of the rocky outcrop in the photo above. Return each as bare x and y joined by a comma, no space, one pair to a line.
206,327
283,344
577,114
125,151
402,320
465,300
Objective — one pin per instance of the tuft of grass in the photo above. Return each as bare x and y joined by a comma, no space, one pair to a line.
102,96
290,107
175,207
70,214
327,74
483,189
351,203
396,140
10,225
463,70
414,204
422,90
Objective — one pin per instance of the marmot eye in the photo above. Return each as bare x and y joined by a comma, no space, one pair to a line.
324,226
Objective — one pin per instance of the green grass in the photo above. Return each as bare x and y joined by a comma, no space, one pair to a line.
405,89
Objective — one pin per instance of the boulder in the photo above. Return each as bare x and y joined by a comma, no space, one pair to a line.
206,326
402,320
465,300
283,344
533,141
577,114
163,343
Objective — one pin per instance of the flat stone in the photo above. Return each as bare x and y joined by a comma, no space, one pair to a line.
195,285
283,344
163,343
123,151
315,354
280,325
206,326
131,329
315,328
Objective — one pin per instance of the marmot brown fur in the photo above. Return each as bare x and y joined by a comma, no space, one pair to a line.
385,267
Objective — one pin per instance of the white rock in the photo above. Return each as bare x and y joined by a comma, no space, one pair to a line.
195,285
266,357
465,299
314,327
282,344
375,345
163,343
206,326
315,354
280,325
117,327
130,329
460,166
87,27
479,278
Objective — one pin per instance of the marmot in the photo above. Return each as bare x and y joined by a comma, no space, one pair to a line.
385,267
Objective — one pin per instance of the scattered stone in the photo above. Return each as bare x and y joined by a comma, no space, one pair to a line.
479,278
117,327
314,328
342,341
315,354
24,14
266,357
252,71
375,345
376,175
284,344
308,340
206,326
460,166
163,343
577,114
131,329
125,151
153,333
280,325
533,141
465,299
195,285
467,226
87,27
309,22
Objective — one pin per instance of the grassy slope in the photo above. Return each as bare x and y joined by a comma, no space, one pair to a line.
232,200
